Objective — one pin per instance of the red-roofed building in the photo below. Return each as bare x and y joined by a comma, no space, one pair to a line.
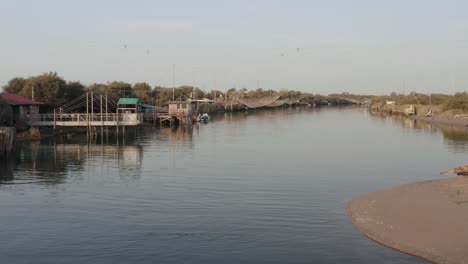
24,109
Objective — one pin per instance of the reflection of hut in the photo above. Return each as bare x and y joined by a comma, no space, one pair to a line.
129,105
180,108
24,109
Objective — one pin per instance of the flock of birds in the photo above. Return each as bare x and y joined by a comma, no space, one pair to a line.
124,46
282,54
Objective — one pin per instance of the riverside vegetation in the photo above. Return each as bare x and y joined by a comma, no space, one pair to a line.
55,91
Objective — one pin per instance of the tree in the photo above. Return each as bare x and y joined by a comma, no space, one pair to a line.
48,87
74,90
15,85
120,89
114,89
231,93
98,88
143,92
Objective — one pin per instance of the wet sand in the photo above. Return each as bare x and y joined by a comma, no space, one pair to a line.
426,219
461,123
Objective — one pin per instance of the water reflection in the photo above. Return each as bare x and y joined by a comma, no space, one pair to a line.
50,161
262,187
7,167
181,134
454,137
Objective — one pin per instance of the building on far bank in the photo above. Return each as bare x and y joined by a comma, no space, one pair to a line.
180,108
24,109
129,105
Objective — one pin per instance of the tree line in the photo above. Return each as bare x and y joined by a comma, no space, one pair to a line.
55,91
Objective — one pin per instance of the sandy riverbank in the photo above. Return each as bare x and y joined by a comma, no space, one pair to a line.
426,219
453,122
439,117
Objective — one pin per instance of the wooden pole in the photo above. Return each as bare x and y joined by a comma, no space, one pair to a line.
117,121
87,110
54,118
102,120
92,106
91,128
106,110
7,140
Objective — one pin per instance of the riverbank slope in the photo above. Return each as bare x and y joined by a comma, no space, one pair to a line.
453,122
426,219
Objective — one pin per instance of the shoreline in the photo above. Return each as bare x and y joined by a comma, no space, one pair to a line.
452,122
425,219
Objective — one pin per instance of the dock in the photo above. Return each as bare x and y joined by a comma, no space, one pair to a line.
102,112
87,120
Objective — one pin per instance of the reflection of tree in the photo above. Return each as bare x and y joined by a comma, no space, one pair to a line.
51,161
455,138
7,165
41,163
181,134
243,116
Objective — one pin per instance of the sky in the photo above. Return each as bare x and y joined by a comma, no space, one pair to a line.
359,46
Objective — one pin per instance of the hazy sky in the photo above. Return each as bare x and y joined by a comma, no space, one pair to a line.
359,46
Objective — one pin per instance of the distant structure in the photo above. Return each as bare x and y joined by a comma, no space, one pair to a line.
24,109
180,108
128,105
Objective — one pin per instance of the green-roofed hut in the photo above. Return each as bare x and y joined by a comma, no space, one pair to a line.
129,105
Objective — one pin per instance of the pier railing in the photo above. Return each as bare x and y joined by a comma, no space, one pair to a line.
83,119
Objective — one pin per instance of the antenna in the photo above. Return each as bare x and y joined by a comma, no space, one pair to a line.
453,82
404,87
173,82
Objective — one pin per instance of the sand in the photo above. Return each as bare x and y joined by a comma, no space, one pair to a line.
461,123
426,219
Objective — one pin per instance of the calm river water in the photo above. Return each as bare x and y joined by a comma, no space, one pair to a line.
263,187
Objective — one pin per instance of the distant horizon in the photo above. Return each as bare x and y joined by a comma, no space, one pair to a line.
324,47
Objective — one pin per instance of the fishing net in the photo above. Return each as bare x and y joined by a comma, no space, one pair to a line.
259,102
278,103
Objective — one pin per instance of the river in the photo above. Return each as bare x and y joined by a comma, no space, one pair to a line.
257,187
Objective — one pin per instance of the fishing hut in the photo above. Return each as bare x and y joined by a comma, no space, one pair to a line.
180,112
24,110
180,108
128,105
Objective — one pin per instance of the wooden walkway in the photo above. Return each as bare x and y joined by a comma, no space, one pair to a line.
87,120
173,118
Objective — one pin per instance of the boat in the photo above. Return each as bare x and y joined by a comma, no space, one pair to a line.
203,118
410,111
